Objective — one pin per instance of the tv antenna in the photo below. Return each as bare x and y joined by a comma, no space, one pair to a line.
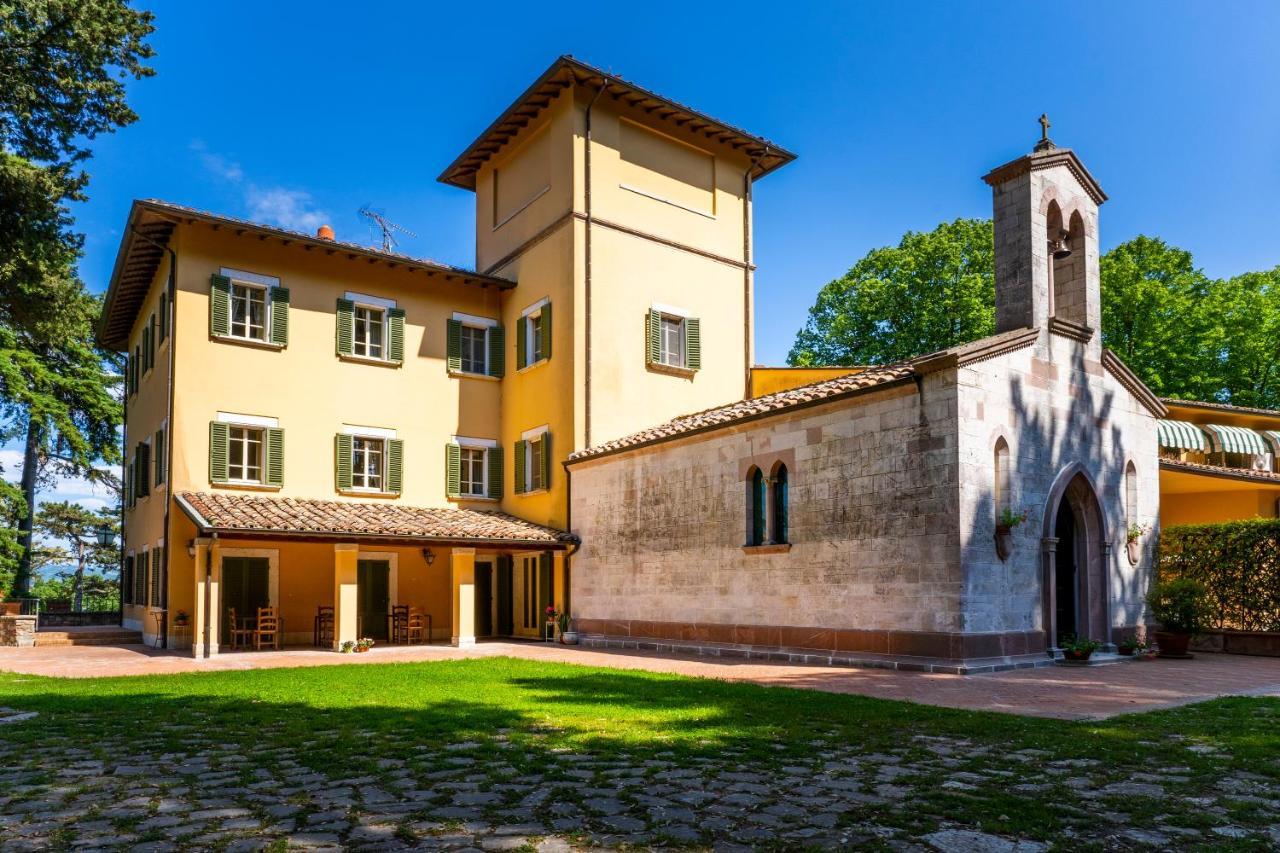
387,227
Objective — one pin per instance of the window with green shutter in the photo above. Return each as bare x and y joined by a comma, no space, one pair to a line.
149,342
533,463
219,306
533,335
522,344
137,367
544,333
157,561
140,578
653,337
453,470
279,316
673,340
522,449
493,459
395,335
693,343
453,345
497,351
219,441
395,465
163,315
142,459
274,469
345,324
158,444
126,580
342,449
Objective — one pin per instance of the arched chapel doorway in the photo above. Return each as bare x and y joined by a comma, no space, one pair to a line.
1076,591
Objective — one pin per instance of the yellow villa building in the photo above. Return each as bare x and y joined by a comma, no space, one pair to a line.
316,424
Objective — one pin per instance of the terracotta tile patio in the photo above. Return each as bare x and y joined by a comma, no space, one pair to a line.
1065,693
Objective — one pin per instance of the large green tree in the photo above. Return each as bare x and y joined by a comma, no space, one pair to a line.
931,291
1249,307
72,540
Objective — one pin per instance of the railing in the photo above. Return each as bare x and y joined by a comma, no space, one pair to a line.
71,619
26,606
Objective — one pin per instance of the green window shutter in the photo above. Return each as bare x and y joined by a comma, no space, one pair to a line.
346,320
453,344
692,343
280,316
544,325
453,470
128,371
546,584
521,450
395,335
497,351
220,305
163,315
522,344
395,464
653,330
143,458
546,460
149,341
137,367
342,461
126,581
493,458
158,443
275,457
219,441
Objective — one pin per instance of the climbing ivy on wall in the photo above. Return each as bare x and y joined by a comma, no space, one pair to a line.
1238,562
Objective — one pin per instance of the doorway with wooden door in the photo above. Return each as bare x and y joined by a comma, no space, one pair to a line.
484,598
373,597
532,594
246,586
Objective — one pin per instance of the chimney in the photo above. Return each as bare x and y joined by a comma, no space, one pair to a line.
325,232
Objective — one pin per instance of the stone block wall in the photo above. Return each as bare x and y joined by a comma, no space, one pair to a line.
874,552
1057,407
17,630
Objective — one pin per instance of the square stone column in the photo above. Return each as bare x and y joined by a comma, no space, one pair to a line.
214,616
462,566
559,581
345,594
200,614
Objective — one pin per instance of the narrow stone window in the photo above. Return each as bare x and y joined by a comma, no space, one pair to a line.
756,503
781,496
1130,495
1003,498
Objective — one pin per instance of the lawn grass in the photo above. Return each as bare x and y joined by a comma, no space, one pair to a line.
515,718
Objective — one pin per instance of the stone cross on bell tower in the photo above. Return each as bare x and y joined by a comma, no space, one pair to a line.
1046,242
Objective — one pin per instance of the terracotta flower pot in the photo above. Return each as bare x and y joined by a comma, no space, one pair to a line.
1004,541
1073,655
1173,645
1135,551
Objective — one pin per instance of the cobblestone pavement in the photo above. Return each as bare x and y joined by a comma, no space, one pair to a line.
485,795
1065,693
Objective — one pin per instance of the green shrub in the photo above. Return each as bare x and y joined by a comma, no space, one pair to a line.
1238,565
1179,605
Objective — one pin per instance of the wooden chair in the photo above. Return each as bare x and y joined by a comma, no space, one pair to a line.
322,634
268,630
399,621
239,634
415,626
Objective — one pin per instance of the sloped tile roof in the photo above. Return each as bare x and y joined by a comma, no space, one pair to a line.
1222,407
230,513
744,410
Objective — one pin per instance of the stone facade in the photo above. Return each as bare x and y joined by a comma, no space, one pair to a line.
894,495
17,630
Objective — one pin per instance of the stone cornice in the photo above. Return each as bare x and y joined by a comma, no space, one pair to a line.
1047,160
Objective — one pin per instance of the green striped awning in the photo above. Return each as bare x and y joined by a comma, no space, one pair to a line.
1273,438
1233,439
1180,435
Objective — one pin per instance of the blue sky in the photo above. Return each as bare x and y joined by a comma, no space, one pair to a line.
301,113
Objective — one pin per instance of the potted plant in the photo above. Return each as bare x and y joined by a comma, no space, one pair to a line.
180,619
364,644
568,636
348,646
1133,541
553,623
1078,650
1008,519
1182,609
1131,646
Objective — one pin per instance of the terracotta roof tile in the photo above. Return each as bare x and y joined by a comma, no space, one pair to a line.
1220,471
229,512
1221,407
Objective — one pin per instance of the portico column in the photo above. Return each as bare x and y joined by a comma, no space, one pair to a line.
345,594
214,616
462,564
200,612
1049,547
560,582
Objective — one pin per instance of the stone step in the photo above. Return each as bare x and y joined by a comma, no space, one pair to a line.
119,637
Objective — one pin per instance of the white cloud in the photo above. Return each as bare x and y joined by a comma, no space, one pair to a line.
75,489
289,208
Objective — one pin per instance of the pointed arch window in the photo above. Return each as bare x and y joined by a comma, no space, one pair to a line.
1130,495
1003,495
756,507
780,496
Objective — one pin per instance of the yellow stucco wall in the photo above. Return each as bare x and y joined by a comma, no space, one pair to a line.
770,380
1210,506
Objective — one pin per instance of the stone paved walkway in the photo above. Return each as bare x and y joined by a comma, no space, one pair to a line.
1061,692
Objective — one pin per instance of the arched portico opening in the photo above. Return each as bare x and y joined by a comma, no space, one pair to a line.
1076,589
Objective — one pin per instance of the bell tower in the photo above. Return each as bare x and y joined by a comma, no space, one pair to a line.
1046,242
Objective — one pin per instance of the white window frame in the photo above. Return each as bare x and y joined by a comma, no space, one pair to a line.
366,302
530,436
529,317
264,283
369,434
234,420
483,445
671,312
364,473
262,455
470,321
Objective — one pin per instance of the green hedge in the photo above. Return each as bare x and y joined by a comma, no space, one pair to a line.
1238,562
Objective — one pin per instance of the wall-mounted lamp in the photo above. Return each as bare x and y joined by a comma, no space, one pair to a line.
191,548
429,556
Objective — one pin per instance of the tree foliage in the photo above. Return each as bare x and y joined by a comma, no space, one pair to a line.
71,532
1186,335
931,291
